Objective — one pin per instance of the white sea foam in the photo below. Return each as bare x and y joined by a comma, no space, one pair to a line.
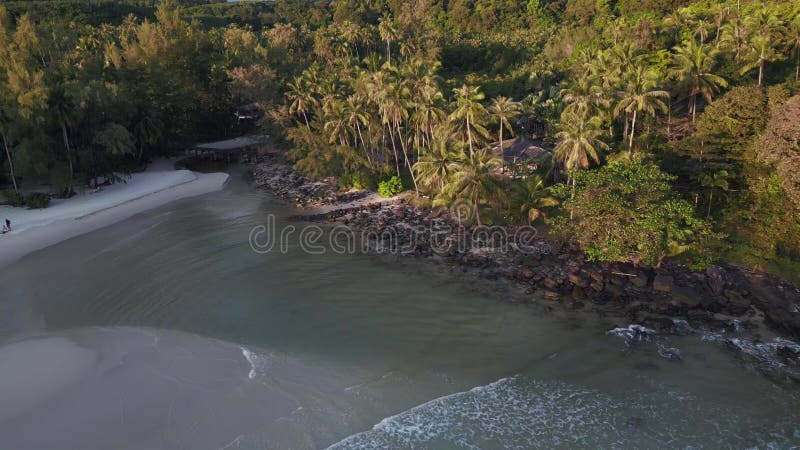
522,413
258,363
633,333
509,413
765,353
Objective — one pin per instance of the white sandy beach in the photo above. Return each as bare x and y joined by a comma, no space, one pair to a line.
39,228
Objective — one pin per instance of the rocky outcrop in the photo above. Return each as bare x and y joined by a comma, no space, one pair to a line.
723,298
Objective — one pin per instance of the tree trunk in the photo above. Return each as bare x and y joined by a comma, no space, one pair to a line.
625,129
669,118
760,72
469,136
572,197
503,163
405,156
363,144
305,117
797,68
65,135
389,51
394,148
693,104
476,202
710,199
10,163
633,132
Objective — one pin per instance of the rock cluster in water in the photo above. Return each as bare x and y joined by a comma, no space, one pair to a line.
723,298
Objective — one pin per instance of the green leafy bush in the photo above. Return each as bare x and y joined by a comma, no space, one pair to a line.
356,181
627,212
37,200
14,198
390,187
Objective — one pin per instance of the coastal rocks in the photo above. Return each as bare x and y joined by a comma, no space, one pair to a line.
663,283
578,293
715,277
684,296
559,272
551,295
639,279
736,299
613,289
577,280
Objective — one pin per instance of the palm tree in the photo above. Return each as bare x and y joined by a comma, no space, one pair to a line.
530,196
504,109
436,164
767,30
717,179
473,179
584,97
762,51
355,117
389,33
5,123
394,110
147,131
301,100
734,36
336,122
640,96
64,111
578,142
427,113
693,65
467,108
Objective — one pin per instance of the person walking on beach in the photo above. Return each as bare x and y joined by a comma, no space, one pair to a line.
8,225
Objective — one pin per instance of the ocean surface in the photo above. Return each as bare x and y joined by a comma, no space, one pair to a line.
169,331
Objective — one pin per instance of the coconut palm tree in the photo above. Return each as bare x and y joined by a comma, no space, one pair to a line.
734,36
389,33
766,30
640,96
147,131
578,142
693,65
64,112
437,163
467,109
473,179
427,112
301,100
530,197
5,125
356,117
503,109
336,123
714,180
584,97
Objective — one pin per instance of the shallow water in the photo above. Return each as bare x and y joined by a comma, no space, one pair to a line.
178,335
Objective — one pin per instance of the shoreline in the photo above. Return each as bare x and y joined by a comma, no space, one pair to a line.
668,300
34,230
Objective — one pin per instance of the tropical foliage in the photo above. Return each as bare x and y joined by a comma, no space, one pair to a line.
654,113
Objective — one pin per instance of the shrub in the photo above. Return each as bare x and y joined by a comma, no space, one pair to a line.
37,200
356,181
390,187
627,212
14,198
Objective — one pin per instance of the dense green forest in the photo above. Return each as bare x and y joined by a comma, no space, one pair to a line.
674,125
